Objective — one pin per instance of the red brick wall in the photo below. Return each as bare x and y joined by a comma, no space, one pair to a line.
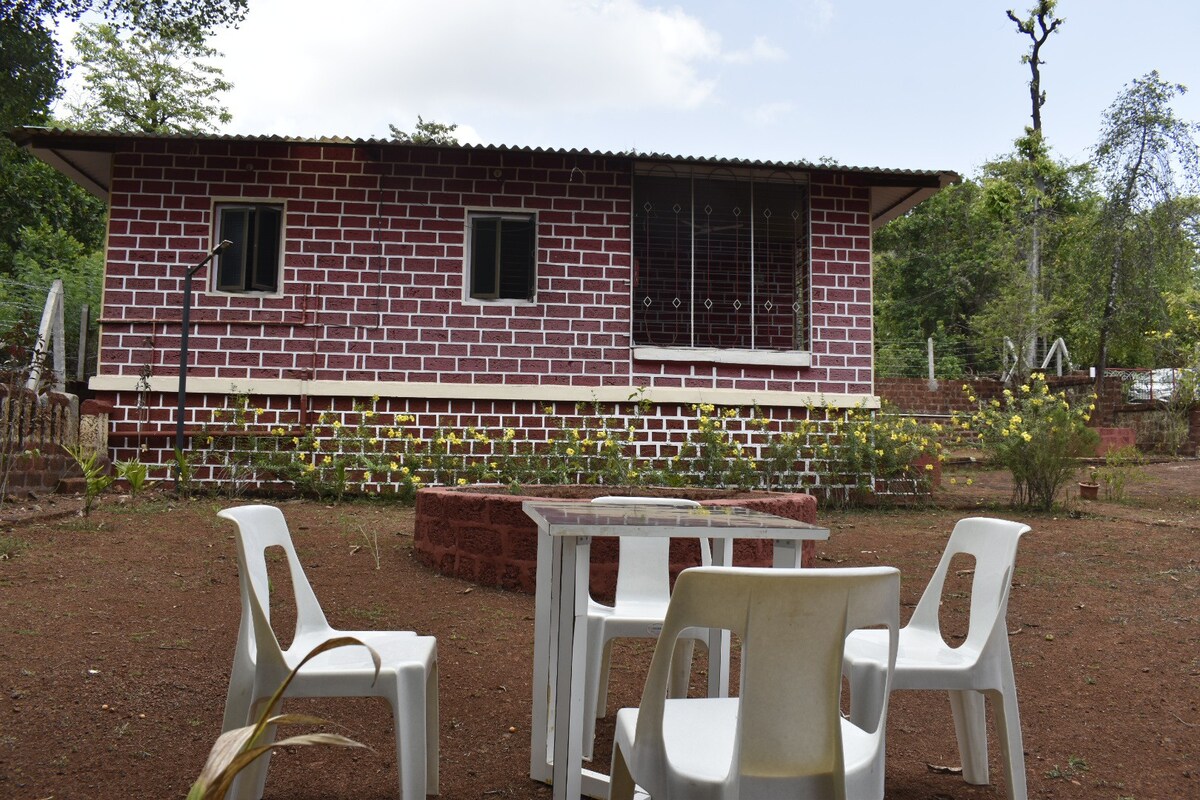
372,282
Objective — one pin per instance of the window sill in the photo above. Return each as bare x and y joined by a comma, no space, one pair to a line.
714,355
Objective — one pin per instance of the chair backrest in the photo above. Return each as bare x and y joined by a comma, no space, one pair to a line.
993,543
793,624
260,527
644,565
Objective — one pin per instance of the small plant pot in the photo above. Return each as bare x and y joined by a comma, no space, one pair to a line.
1089,491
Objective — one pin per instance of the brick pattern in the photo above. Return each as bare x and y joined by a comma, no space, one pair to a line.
373,271
146,430
488,539
841,283
372,283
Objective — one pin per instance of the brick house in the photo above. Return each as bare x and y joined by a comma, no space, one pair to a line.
475,285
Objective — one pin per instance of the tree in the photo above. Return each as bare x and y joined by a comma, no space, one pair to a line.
149,83
32,64
1038,26
30,69
430,132
1147,163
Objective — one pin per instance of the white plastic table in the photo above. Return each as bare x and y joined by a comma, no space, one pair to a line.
565,531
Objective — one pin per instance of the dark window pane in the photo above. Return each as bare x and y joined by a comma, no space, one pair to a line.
517,258
231,263
266,248
484,280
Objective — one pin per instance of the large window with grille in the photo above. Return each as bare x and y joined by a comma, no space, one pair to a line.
720,262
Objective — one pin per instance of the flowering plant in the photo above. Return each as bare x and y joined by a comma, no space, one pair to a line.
1036,434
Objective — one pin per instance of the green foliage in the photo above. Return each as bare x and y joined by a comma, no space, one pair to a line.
133,472
1036,435
714,455
363,452
1148,167
153,82
862,452
11,547
426,132
1122,465
237,749
43,256
30,68
95,474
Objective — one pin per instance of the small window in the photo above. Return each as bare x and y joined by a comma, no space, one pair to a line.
503,256
251,262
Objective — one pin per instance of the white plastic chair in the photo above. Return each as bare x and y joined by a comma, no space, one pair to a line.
784,735
981,666
639,606
407,678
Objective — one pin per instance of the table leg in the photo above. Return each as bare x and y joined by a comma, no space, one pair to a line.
544,616
718,640
570,585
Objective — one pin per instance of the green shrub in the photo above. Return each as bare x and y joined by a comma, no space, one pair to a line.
1036,435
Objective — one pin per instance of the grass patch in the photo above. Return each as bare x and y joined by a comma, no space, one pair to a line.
11,547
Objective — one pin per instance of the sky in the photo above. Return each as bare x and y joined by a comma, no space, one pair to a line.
912,84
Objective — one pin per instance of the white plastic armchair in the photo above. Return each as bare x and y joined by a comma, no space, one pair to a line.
639,606
784,735
980,667
407,678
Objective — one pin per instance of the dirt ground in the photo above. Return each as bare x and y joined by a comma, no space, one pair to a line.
117,633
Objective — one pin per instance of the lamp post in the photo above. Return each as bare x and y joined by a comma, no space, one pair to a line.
183,349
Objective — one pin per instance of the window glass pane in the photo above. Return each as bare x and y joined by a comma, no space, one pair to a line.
484,278
267,226
720,261
231,263
662,261
781,266
517,258
723,288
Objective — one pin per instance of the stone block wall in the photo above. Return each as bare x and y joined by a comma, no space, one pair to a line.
488,539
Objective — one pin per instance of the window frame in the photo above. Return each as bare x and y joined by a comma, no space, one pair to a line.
797,356
471,246
253,271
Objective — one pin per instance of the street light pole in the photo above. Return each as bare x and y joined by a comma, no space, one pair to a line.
183,349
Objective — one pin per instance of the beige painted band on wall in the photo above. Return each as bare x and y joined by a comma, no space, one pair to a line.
467,391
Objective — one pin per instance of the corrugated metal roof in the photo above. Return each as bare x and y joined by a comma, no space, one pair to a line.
23,134
85,157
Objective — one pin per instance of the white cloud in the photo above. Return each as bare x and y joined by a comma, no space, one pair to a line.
297,64
760,50
768,113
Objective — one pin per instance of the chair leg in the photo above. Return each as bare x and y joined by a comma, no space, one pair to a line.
252,780
595,689
410,712
432,733
867,680
1008,732
621,784
970,727
681,667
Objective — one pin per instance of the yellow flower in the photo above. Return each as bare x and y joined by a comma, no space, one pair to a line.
970,481
1025,388
929,467
971,398
1027,436
570,451
392,465
326,459
462,481
954,481
1015,419
367,476
509,433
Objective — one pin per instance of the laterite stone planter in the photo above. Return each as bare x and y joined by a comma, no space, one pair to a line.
480,534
